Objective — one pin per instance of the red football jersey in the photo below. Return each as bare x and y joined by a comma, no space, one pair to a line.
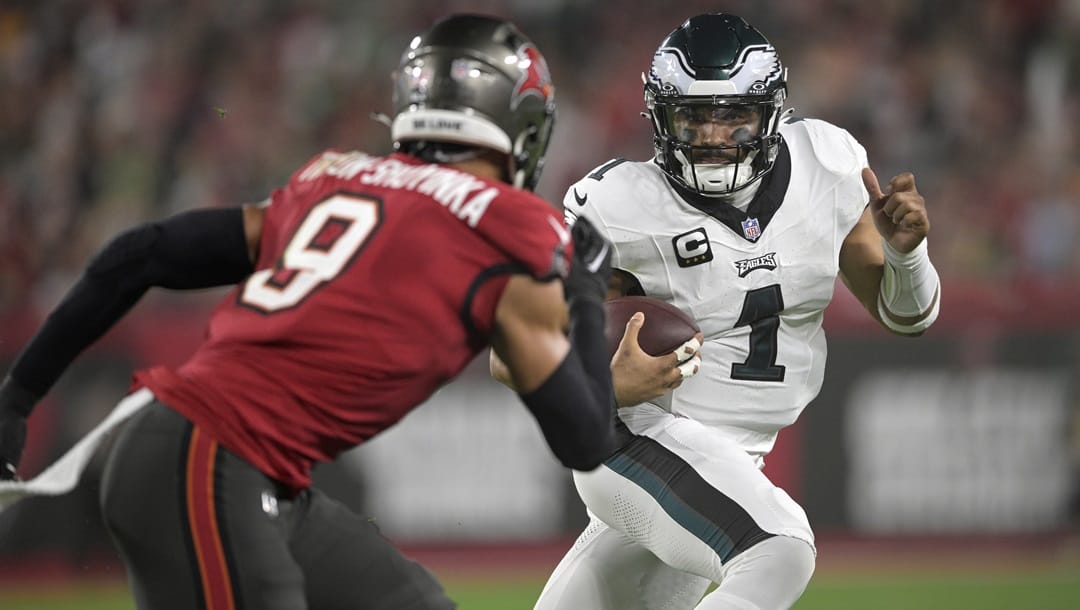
376,283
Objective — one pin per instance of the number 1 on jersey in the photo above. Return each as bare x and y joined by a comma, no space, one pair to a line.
324,244
761,311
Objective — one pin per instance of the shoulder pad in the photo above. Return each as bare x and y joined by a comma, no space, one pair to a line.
835,149
594,187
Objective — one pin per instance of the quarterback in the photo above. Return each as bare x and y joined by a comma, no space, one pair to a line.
744,218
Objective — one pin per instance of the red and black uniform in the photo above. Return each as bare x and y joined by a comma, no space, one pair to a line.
398,297
376,283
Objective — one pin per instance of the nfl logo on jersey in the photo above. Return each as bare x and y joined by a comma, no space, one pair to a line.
751,229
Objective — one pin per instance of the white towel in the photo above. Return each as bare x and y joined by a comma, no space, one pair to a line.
62,476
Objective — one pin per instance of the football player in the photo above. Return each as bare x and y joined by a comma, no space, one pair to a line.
363,285
744,218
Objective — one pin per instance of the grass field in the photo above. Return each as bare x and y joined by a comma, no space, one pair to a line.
936,574
1057,589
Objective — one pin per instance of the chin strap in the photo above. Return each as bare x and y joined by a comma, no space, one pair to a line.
910,295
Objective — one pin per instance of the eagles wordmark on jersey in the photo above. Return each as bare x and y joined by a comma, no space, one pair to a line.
759,295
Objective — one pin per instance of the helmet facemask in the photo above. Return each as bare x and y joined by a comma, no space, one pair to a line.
715,146
715,94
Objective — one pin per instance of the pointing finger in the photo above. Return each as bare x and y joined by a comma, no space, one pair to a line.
873,187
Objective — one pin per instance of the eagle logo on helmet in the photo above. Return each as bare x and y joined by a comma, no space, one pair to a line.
535,77
670,71
756,64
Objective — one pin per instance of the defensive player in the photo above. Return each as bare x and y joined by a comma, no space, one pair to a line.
364,284
743,218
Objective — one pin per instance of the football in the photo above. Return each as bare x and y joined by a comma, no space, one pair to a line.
666,326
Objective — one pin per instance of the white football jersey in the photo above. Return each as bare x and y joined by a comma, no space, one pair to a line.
757,283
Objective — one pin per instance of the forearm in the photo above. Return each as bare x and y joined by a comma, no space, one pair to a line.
587,337
199,249
910,293
575,404
577,426
88,310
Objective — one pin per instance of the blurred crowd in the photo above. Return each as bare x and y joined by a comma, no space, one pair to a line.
114,112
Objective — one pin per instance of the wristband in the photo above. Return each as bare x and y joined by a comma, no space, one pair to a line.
909,297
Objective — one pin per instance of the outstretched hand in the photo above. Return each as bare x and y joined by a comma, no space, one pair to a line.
638,377
900,213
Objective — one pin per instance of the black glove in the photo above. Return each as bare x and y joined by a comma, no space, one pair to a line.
16,403
591,267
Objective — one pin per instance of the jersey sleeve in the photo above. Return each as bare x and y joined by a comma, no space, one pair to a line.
852,197
844,157
530,231
571,207
581,199
588,198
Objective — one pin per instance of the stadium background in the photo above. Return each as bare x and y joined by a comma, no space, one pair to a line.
940,473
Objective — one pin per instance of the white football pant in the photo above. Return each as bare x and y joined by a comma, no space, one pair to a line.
679,507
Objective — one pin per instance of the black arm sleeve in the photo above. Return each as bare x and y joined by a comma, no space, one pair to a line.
575,406
197,249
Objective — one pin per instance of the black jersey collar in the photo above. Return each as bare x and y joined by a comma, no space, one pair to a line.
762,207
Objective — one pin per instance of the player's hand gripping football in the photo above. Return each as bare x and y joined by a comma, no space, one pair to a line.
15,403
591,267
639,377
900,213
